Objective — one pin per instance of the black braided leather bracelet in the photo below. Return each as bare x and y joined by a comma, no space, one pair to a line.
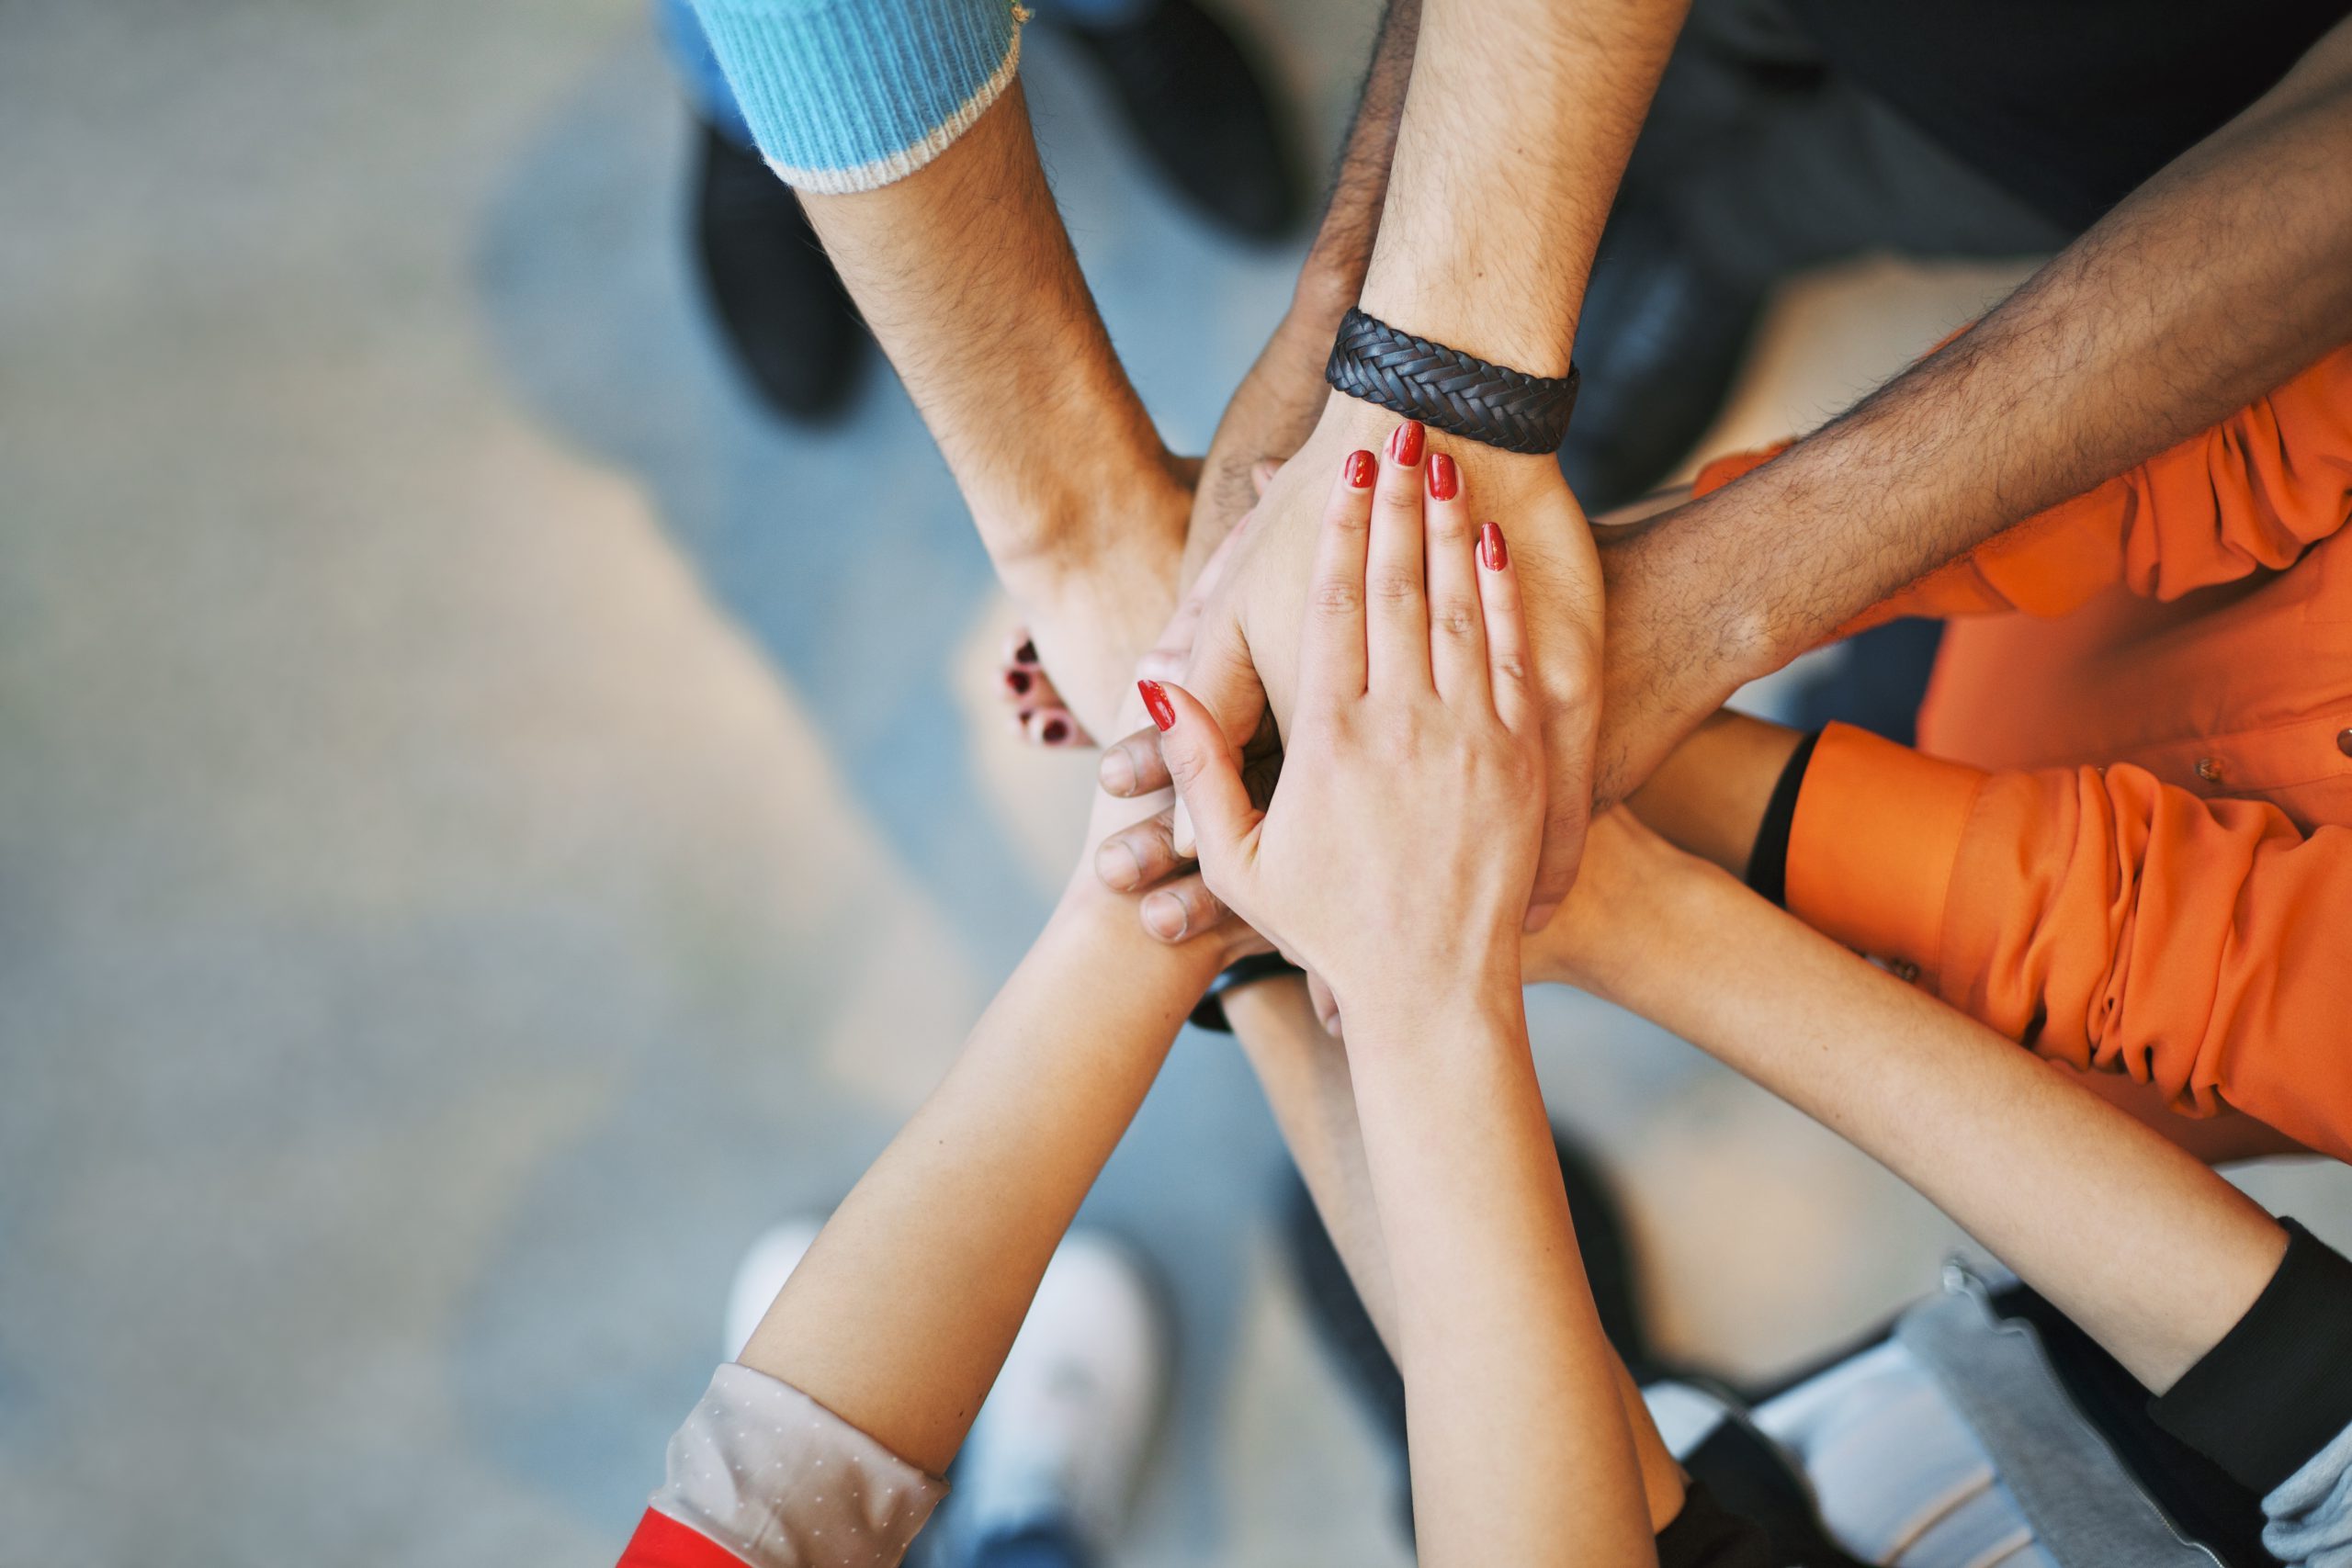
1448,389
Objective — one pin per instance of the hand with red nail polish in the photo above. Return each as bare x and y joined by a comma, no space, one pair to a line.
1246,666
1396,854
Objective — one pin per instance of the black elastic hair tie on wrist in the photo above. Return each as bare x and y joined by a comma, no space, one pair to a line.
1209,1012
1768,862
1448,389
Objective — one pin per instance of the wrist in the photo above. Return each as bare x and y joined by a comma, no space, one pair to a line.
1350,422
1103,494
1479,975
1108,924
1641,932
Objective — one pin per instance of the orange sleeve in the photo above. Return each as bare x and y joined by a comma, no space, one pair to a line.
2106,920
2250,494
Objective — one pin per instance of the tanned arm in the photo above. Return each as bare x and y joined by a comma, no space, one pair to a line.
1274,409
967,276
2210,284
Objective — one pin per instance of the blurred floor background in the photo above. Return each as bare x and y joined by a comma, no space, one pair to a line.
488,822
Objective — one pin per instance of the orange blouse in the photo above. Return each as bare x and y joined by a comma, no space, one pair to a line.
2126,837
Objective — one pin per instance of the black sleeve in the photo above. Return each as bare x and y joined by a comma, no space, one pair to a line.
1703,1535
2278,1386
1768,862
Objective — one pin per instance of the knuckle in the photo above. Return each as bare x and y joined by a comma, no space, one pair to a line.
1511,667
1392,585
1336,596
1454,617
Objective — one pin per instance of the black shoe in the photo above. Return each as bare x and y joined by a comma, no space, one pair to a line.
780,305
1340,1323
1205,118
1658,342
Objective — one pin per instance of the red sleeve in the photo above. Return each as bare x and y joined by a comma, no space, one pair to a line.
661,1541
2250,494
2106,920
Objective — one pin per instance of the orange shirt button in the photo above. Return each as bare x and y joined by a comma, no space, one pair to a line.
2210,769
2344,741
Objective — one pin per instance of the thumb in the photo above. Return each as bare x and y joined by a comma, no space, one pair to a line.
1206,775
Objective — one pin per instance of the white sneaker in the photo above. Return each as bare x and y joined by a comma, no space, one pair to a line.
766,1264
1062,1435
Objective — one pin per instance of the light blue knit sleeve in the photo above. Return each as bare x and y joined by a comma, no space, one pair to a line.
2310,1513
846,95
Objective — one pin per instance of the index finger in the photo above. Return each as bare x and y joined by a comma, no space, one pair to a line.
1331,650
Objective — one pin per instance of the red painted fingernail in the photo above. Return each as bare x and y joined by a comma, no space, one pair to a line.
1018,680
1445,480
1359,471
1491,553
1405,446
1055,731
1155,697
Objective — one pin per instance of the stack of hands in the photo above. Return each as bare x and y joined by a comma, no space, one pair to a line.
1363,636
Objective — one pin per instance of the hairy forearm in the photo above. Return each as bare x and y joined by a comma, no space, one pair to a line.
2135,1239
902,1311
1509,1383
1333,275
1516,128
2212,284
1274,407
967,276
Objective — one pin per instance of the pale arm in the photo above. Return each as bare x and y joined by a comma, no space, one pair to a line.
2154,1254
1304,1072
901,1313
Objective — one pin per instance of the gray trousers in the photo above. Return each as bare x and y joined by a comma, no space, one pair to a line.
1765,161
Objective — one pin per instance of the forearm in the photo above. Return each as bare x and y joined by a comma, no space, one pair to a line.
1710,795
2154,1256
1509,1383
1515,132
1304,1072
902,1311
967,276
2208,287
1274,407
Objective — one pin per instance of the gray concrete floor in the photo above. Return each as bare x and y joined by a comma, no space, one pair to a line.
479,837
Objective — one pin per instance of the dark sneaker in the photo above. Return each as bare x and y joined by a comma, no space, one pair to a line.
1205,114
783,311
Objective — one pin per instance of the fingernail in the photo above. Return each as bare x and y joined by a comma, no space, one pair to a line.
1025,654
1055,731
1109,866
1491,554
1018,680
1155,699
1359,469
1116,773
1445,480
1538,917
1165,917
1405,446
